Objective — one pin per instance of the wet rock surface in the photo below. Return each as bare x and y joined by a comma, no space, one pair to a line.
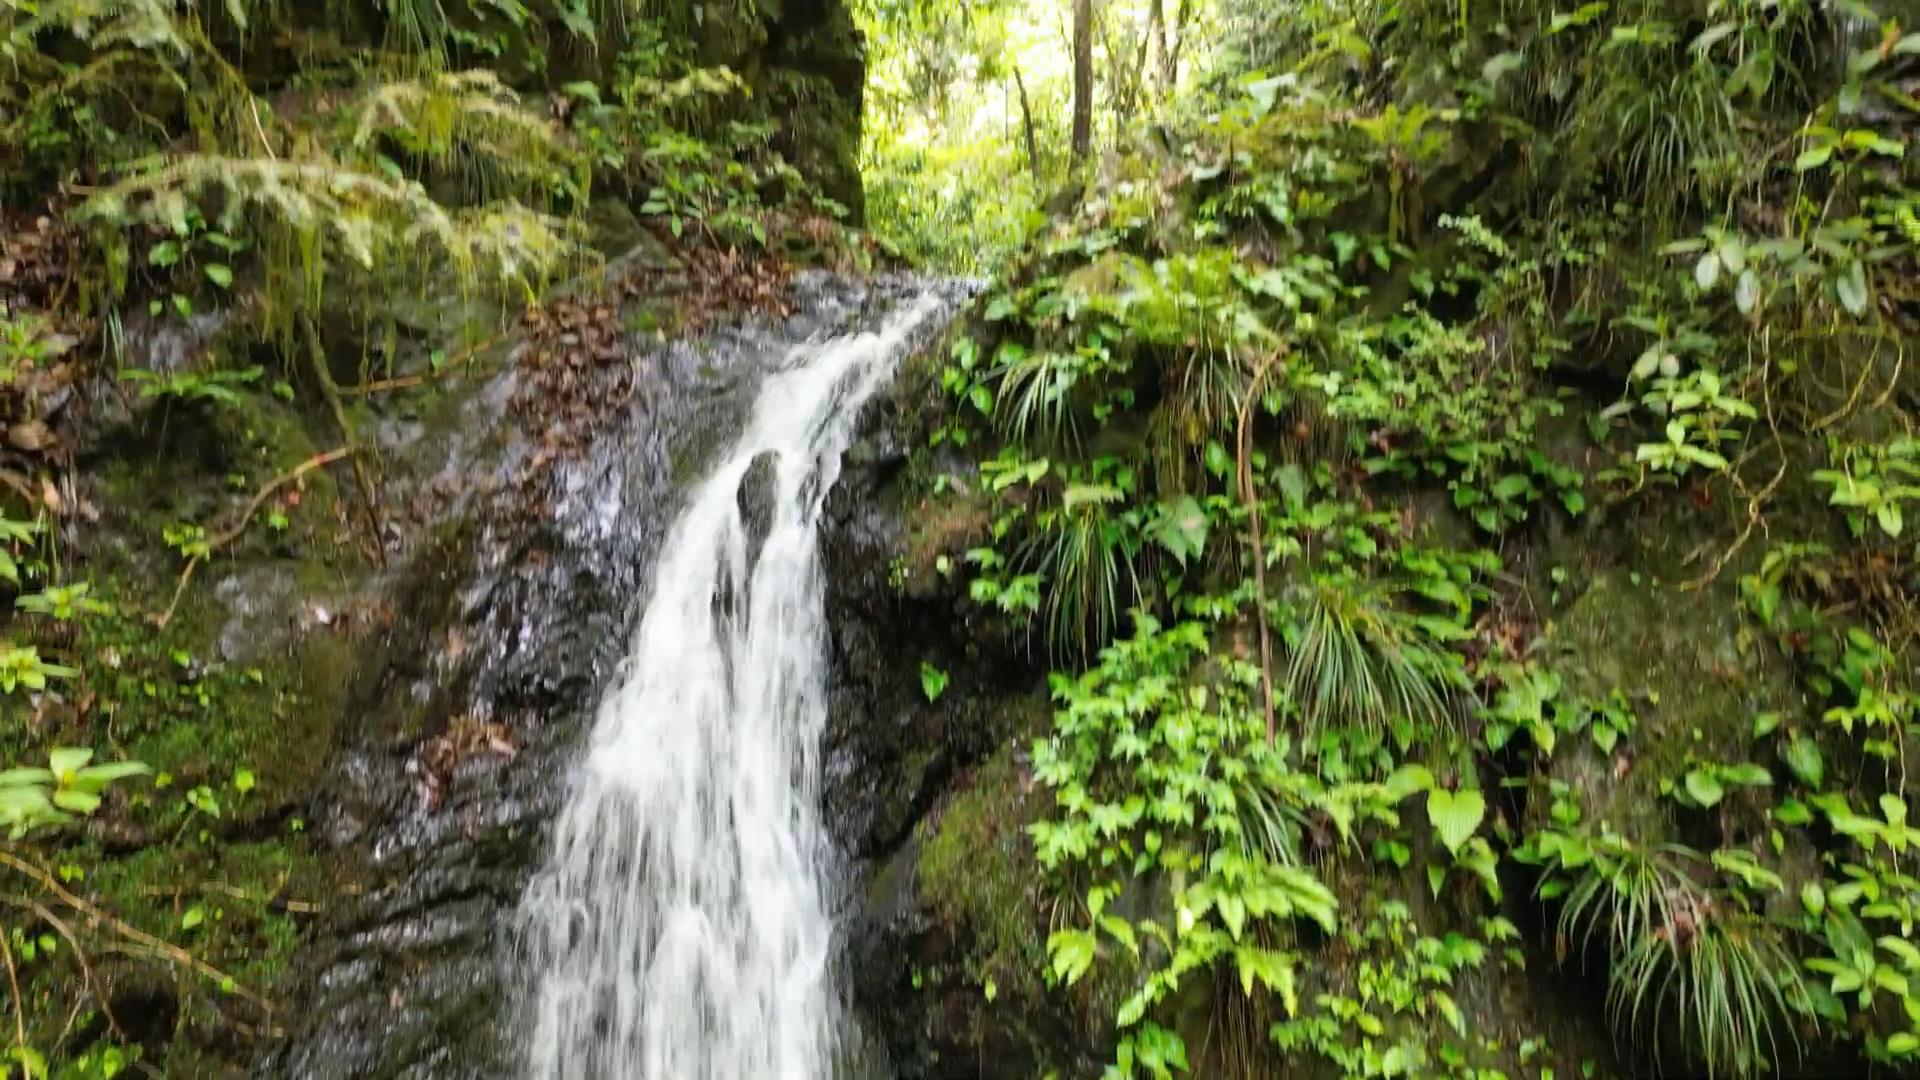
469,710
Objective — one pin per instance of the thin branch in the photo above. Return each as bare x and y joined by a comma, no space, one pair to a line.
19,1004
86,969
1248,495
233,532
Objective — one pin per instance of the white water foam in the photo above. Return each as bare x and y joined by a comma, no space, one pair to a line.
679,930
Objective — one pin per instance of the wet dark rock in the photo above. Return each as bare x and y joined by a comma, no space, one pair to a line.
756,498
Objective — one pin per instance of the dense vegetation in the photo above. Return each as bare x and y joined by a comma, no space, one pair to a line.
227,228
1457,459
1453,457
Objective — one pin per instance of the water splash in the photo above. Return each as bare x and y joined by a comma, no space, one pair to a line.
680,927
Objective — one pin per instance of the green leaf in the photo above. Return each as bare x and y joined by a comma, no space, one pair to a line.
98,776
1888,515
193,917
981,398
1513,486
1746,294
933,682
220,274
1455,815
1802,756
1408,779
1182,529
1704,788
1707,271
1219,462
64,761
1813,158
1500,66
1748,774
1072,954
77,800
1851,287
1765,724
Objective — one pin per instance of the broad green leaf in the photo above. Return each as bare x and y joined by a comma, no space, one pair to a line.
1707,271
1704,788
1219,462
1851,287
1182,529
64,761
77,800
100,775
1748,774
1408,779
1802,756
1072,954
1455,815
933,681
1746,294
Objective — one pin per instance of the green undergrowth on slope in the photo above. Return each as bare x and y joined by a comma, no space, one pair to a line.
1460,476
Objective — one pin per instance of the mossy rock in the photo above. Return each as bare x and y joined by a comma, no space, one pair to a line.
1696,676
969,909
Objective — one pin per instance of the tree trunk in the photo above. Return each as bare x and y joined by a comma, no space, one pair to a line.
1170,58
1135,88
1082,79
1157,33
1026,123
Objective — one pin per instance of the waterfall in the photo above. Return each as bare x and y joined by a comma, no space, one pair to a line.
680,927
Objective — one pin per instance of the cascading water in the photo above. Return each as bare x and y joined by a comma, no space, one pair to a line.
680,928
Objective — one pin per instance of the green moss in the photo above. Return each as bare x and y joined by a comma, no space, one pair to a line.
977,871
1695,675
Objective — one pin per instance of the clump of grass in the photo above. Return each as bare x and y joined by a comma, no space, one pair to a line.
1722,980
1682,960
1084,550
1358,659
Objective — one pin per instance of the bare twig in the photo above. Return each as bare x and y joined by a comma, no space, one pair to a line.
19,1004
459,363
233,532
86,969
1244,450
317,357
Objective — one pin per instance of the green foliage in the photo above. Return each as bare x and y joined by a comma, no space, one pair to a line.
220,387
1401,1016
1683,959
1162,776
31,798
933,681
1413,250
1874,482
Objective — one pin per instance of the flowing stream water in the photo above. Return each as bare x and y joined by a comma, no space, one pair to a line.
680,929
